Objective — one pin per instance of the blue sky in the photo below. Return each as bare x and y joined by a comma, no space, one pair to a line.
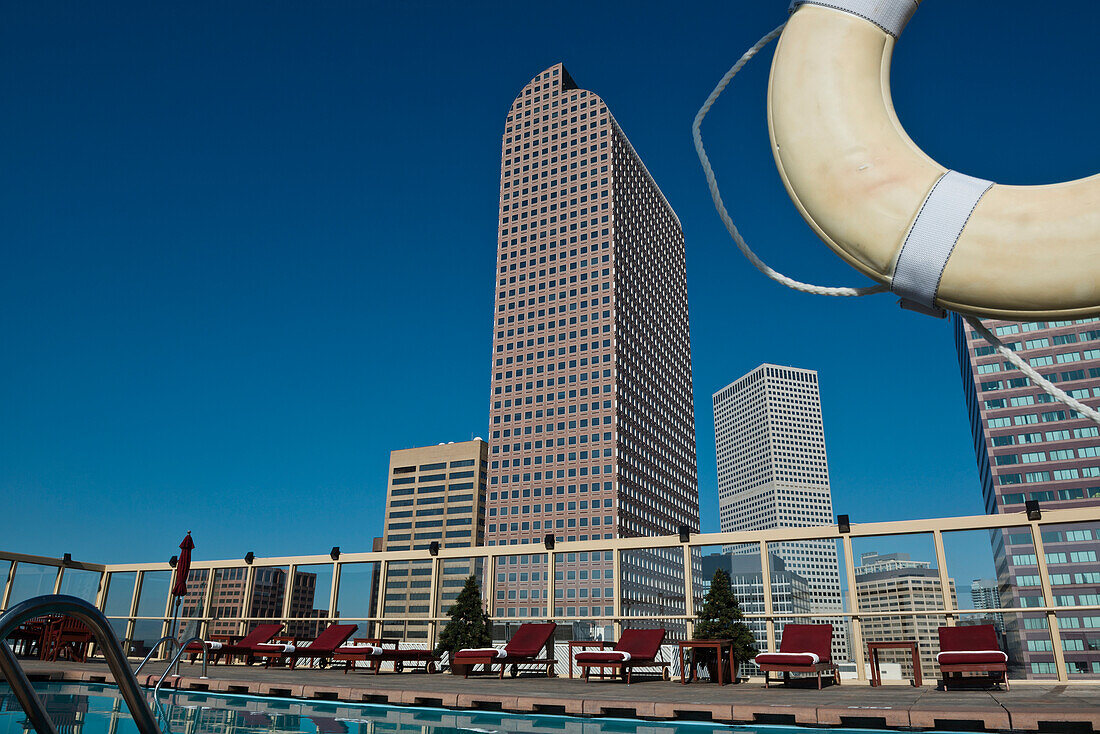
248,248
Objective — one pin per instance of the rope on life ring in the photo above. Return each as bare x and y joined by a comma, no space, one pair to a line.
972,188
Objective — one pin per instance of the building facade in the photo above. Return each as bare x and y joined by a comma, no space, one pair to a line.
985,594
1030,447
436,494
790,592
773,472
592,432
893,581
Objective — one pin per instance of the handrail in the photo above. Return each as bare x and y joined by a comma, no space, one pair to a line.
175,659
116,659
153,649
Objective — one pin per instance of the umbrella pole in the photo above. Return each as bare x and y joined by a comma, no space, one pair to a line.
175,632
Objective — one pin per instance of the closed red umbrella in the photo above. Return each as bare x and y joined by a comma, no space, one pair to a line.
179,588
183,566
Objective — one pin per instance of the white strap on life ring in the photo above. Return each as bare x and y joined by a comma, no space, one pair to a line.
889,15
932,237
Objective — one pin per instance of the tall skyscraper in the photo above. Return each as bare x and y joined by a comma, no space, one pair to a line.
592,433
436,494
893,582
986,594
773,472
1030,447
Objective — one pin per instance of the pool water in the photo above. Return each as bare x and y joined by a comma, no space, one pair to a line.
98,709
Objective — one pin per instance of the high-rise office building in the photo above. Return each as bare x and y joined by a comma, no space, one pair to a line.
436,495
592,434
773,472
1030,447
893,582
790,592
985,594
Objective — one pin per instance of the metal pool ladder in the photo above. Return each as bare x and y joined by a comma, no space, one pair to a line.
108,644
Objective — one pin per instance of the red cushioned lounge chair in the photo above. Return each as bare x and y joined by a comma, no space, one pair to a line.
805,648
374,652
322,649
523,649
635,649
971,649
215,649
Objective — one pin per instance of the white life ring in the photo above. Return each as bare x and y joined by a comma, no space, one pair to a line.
1021,252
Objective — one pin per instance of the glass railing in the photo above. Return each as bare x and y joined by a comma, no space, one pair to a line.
1035,580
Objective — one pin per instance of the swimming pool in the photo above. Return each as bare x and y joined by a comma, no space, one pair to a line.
98,709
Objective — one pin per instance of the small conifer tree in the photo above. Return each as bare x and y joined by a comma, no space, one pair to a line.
721,619
469,625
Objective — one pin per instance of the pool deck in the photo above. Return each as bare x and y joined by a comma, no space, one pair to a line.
1066,709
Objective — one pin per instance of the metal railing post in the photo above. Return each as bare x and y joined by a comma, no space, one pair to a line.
617,589
945,580
207,604
550,600
135,599
1048,601
57,579
433,602
766,578
379,612
492,586
8,583
101,592
288,595
249,585
689,592
334,593
853,609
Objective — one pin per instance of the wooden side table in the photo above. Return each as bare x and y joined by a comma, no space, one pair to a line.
583,644
872,654
723,650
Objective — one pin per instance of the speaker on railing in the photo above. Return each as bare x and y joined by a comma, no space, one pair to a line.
843,524
433,548
334,554
1031,507
548,541
685,534
249,557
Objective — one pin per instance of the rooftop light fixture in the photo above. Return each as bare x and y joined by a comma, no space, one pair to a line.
433,547
843,524
173,561
66,559
248,557
334,554
1033,511
685,534
548,541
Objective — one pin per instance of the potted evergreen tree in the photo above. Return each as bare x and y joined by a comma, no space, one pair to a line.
468,627
721,619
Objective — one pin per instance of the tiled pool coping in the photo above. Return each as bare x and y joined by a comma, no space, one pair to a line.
1067,709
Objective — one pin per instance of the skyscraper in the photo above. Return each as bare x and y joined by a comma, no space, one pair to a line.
985,594
436,494
773,472
592,433
1030,447
892,582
